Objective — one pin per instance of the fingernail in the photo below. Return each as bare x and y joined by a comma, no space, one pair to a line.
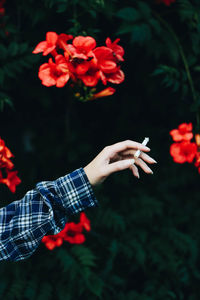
151,172
155,162
138,176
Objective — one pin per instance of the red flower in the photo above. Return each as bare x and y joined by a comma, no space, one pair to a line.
110,71
72,233
116,77
81,47
52,40
80,54
118,51
54,73
47,46
5,155
84,221
82,61
166,2
197,139
104,93
197,161
2,9
91,77
12,180
183,152
52,241
105,59
183,133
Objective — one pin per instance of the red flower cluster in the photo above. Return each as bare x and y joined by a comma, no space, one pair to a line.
197,161
184,150
81,61
166,2
2,9
12,180
72,233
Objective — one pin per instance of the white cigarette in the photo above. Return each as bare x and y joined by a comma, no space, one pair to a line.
138,152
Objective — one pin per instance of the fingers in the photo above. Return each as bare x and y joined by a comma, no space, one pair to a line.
119,166
128,163
130,154
134,170
121,146
143,166
147,158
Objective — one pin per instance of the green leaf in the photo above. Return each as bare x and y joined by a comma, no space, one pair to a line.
23,48
155,25
125,28
13,49
141,33
129,14
3,52
62,8
195,106
1,76
145,9
196,68
84,255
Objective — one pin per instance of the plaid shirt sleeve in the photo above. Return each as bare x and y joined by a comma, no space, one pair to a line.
43,210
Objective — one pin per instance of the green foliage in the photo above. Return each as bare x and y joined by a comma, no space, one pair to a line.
171,77
145,234
136,22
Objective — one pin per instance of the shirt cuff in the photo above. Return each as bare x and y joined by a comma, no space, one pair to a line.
75,192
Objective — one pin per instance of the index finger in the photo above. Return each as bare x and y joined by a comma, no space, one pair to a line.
128,144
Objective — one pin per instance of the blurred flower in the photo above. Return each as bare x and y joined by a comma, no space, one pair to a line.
5,155
197,139
47,46
166,2
72,233
197,158
84,221
52,241
12,180
54,73
183,133
81,47
115,77
105,59
52,39
197,161
106,92
106,62
183,152
118,51
2,9
91,77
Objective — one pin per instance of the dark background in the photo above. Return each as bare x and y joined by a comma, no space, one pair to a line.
144,242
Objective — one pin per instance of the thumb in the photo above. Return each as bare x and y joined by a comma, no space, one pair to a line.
119,165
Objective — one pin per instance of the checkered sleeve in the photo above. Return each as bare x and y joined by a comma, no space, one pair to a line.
43,210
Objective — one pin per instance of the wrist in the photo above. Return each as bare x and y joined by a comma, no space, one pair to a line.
91,175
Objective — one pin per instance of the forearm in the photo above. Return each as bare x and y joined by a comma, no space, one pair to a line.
42,211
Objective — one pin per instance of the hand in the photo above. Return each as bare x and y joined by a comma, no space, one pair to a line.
118,157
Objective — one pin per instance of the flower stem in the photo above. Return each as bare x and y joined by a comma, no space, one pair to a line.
185,62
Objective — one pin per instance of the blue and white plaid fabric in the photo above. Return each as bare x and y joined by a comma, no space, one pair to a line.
44,210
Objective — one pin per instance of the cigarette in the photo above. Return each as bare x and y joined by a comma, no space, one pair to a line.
138,152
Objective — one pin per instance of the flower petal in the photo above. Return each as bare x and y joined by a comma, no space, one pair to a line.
51,37
40,47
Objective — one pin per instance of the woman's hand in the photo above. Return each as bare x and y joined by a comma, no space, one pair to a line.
117,157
